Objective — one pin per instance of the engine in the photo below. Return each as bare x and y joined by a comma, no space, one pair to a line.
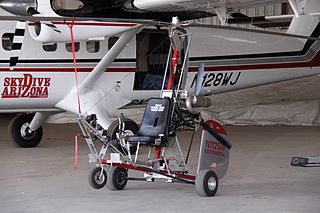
18,7
83,31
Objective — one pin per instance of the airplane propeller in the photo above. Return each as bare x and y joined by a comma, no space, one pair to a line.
17,43
198,84
20,29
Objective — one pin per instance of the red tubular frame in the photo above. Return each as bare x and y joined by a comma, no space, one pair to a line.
145,169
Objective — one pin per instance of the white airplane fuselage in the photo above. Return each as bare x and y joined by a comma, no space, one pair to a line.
233,60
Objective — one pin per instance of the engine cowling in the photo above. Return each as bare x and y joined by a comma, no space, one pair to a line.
82,31
18,7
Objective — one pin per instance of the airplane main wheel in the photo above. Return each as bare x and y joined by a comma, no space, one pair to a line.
20,133
131,129
96,179
206,183
117,178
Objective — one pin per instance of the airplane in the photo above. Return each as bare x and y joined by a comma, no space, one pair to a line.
38,77
122,49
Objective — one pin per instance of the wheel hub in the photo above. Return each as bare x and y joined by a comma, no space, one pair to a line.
99,177
26,132
212,183
121,177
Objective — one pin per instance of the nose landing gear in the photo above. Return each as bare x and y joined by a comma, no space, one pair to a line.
20,133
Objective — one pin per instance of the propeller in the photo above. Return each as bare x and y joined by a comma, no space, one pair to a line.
200,74
19,34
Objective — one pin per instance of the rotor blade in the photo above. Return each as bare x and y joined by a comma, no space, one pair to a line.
17,43
150,22
199,79
38,18
217,136
250,30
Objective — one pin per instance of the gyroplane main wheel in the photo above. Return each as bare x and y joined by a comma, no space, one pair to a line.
117,178
97,178
131,128
206,183
20,133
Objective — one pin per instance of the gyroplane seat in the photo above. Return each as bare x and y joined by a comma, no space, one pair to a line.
154,128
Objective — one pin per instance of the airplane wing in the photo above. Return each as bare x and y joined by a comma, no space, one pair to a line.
200,5
162,10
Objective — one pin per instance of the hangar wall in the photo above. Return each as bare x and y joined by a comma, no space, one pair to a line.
295,102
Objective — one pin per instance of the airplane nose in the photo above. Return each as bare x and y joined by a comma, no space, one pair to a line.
18,7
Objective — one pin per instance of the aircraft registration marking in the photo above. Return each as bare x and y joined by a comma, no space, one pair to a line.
218,79
25,87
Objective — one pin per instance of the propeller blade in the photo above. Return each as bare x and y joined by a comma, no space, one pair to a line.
199,79
52,26
17,43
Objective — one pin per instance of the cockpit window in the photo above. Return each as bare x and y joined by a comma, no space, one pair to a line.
67,4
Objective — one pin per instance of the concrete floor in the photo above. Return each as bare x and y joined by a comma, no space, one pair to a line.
260,178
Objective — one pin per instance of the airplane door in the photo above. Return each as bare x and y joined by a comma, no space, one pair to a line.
152,52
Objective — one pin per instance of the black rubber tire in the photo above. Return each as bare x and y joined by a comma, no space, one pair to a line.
94,176
117,178
202,183
114,129
14,130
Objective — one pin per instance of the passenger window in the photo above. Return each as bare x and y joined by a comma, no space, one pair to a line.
7,39
111,41
76,46
93,46
50,47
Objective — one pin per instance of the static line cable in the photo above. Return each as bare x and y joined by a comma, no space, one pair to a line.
75,62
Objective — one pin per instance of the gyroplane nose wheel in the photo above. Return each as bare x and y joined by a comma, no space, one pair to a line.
21,134
117,178
206,183
97,178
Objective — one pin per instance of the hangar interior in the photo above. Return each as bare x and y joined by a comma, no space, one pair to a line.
267,126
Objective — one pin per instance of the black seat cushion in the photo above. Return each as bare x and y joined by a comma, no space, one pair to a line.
144,140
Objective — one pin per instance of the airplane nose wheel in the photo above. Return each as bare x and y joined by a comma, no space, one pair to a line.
206,183
96,178
117,178
21,134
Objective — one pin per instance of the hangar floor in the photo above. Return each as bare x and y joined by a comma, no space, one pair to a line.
260,178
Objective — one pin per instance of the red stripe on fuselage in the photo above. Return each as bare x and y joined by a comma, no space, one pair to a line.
64,70
315,62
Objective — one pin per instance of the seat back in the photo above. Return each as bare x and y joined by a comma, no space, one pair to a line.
156,118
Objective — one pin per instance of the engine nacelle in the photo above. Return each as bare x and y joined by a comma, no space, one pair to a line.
59,31
19,7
